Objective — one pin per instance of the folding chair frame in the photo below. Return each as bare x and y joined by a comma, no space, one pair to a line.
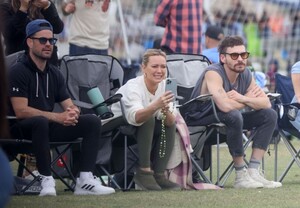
285,88
60,153
294,153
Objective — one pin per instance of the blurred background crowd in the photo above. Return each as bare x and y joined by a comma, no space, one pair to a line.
271,29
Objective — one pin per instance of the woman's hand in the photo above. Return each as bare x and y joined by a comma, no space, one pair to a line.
43,4
24,5
165,99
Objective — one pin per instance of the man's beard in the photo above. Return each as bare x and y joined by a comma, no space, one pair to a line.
239,68
42,56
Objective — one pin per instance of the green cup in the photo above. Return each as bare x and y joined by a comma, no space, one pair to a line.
96,98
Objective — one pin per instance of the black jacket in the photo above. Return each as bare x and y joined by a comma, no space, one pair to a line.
42,88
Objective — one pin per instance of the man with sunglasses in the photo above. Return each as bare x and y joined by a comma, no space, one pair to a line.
34,87
240,104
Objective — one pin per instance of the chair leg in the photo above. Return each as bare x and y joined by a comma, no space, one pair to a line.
126,168
218,156
199,170
35,178
295,154
21,168
110,177
276,157
68,169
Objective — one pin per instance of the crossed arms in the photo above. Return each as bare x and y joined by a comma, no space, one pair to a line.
254,98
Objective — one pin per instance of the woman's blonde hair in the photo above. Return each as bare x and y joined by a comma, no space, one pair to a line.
152,52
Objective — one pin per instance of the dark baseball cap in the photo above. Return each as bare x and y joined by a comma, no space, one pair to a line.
214,32
36,26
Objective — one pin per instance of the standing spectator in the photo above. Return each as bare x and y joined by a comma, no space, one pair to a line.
182,22
213,36
16,14
252,35
89,28
273,67
241,104
264,32
6,177
35,87
148,107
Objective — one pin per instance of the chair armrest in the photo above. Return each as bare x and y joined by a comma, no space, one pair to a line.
273,96
109,101
15,141
105,115
200,98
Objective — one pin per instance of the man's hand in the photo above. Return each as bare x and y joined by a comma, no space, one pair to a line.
71,117
234,95
70,8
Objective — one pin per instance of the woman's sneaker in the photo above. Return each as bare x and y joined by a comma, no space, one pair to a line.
48,186
91,186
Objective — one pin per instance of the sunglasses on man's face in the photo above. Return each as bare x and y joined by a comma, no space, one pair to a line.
235,56
43,40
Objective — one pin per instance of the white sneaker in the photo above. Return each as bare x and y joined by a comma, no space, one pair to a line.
48,186
91,186
259,176
243,180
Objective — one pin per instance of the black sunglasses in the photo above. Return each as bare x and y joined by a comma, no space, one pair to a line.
43,40
235,56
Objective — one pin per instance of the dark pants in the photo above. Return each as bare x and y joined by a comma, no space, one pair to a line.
78,50
41,132
263,122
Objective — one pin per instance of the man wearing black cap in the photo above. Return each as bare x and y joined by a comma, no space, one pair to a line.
213,36
34,87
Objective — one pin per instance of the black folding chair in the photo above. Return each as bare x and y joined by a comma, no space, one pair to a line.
83,73
287,113
19,144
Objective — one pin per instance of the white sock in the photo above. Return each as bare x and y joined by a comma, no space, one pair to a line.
43,176
84,175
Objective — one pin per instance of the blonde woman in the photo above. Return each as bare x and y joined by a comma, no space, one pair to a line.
148,107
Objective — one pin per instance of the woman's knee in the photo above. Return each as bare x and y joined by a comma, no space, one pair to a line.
147,129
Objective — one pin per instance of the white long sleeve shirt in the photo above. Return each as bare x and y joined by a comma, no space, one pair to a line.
136,97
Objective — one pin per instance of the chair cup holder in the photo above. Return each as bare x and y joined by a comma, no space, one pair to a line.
97,99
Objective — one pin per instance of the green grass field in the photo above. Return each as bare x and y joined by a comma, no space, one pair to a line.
286,196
